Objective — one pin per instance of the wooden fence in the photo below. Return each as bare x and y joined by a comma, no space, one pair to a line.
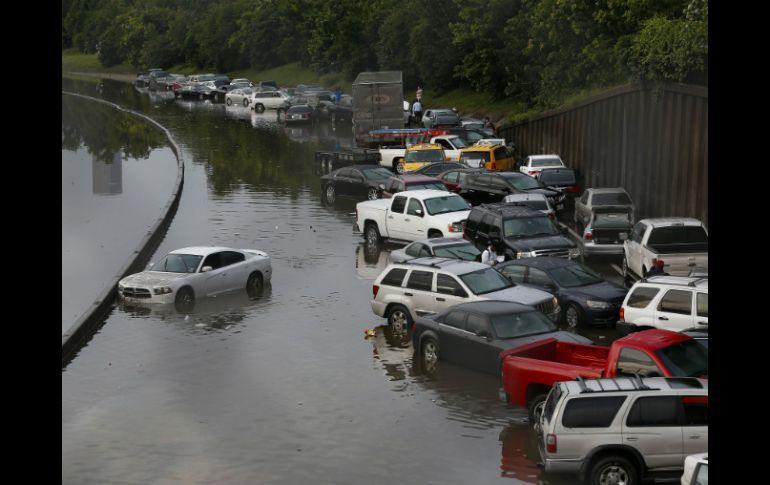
651,141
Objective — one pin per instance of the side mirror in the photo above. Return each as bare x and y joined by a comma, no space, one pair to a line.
381,186
418,212
206,269
484,334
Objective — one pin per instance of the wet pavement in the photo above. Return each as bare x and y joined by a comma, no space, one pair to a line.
283,388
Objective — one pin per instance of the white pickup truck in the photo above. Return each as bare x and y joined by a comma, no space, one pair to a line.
452,144
412,215
681,242
390,157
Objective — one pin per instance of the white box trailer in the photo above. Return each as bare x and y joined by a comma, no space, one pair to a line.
378,102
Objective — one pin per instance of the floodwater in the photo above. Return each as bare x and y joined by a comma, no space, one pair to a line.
107,179
284,388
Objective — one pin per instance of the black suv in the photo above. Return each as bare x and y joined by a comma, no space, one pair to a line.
494,186
517,232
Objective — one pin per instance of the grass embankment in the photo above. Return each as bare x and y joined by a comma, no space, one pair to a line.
468,102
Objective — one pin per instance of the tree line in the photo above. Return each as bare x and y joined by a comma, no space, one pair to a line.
534,51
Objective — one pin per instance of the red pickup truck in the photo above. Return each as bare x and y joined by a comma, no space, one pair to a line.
529,371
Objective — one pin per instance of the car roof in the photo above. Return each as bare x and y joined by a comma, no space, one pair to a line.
424,146
493,307
410,178
607,190
671,221
441,241
201,250
653,339
591,387
691,281
507,209
541,262
552,155
480,148
423,194
454,266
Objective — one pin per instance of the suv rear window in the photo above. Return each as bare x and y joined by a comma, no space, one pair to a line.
641,297
394,278
591,412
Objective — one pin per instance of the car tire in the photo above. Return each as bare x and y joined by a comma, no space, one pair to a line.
613,469
330,194
573,316
200,97
185,300
372,194
429,352
372,234
245,102
229,102
399,319
398,166
434,234
535,407
255,284
259,108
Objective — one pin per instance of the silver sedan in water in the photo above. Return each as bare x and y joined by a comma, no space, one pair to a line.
239,96
188,273
443,247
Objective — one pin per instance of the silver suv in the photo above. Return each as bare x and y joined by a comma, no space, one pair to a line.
425,286
616,431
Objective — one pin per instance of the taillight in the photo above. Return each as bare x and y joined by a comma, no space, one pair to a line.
552,216
550,443
622,313
588,236
375,289
573,189
534,172
493,165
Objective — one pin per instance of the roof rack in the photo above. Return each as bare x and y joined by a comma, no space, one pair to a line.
697,280
636,382
582,384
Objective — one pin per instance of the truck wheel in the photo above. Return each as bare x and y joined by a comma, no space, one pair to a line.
613,469
433,234
573,316
398,166
372,194
536,406
372,234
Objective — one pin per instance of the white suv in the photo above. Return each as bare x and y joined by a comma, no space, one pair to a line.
622,429
426,286
668,302
534,164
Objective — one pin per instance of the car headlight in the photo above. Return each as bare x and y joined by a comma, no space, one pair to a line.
455,227
574,253
598,305
525,254
161,290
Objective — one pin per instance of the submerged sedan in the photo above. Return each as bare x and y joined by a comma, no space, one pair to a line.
189,273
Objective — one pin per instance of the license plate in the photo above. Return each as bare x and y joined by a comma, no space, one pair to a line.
623,235
296,117
559,206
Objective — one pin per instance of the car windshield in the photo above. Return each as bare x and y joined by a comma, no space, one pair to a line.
575,275
442,205
530,227
685,359
483,156
546,162
616,198
425,156
486,280
376,173
177,263
464,251
515,325
524,182
459,143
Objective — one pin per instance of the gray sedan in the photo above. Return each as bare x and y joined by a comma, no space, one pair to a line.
443,247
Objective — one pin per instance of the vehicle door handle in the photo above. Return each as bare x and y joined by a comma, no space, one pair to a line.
662,318
703,323
390,217
631,438
440,299
408,294
407,219
694,437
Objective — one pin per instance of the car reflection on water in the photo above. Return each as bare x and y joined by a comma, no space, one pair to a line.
221,312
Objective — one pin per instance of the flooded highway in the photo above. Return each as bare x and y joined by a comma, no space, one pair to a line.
283,388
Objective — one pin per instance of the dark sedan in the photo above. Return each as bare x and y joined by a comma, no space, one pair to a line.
564,179
454,178
473,334
356,181
435,168
193,91
494,186
301,113
584,296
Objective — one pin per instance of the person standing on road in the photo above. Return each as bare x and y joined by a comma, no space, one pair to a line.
337,95
657,269
489,256
417,111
